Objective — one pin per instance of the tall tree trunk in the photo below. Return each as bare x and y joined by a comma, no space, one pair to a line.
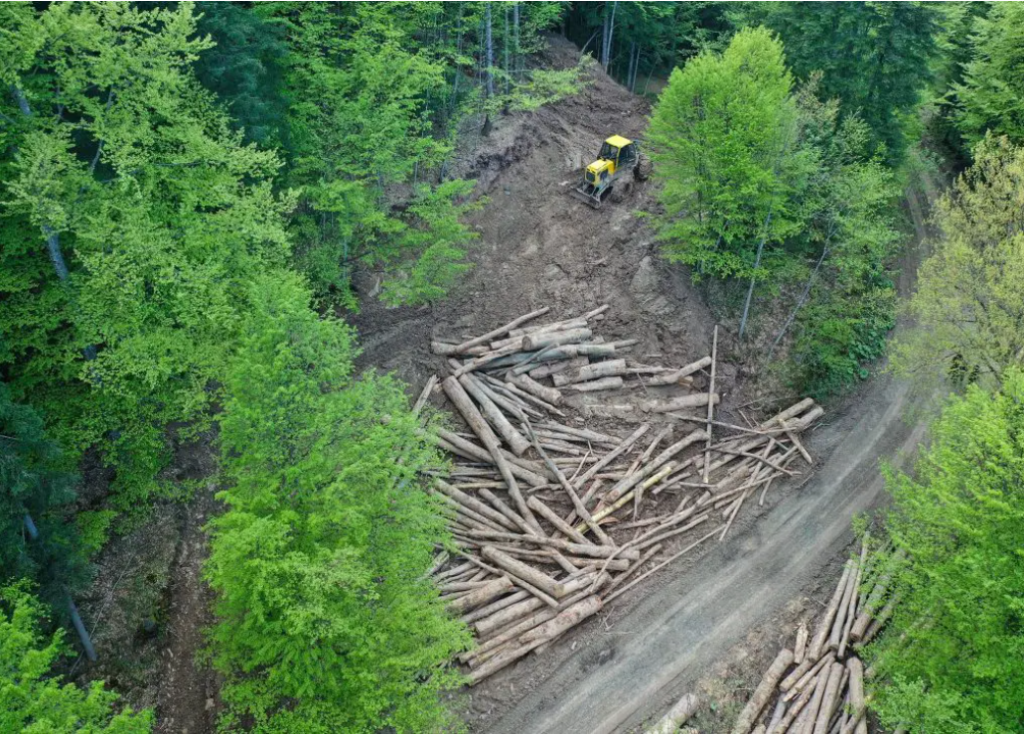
458,52
609,36
636,70
799,303
52,237
517,48
629,66
753,275
489,42
508,70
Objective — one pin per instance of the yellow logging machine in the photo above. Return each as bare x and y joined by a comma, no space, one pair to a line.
619,158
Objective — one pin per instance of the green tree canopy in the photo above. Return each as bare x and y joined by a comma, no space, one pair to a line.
722,136
849,206
874,56
327,621
361,90
36,491
32,700
244,68
991,96
133,214
969,304
952,659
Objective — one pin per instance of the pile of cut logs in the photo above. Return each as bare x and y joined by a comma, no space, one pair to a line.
553,521
819,684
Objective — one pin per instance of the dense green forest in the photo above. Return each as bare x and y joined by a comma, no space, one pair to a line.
190,191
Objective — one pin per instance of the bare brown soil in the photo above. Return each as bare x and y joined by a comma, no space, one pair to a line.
540,247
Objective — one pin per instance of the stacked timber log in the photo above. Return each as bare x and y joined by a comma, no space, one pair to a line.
818,686
553,520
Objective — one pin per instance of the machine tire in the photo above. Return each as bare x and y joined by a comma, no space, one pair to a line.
642,171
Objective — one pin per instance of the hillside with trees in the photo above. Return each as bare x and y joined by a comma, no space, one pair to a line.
231,230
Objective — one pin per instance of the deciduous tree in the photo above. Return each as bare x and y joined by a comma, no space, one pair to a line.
969,305
32,699
991,96
326,621
722,138
952,659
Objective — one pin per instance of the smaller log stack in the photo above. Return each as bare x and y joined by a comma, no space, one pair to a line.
818,686
554,519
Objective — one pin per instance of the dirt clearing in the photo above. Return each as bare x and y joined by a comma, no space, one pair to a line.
540,247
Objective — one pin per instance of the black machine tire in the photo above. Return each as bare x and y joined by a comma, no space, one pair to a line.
642,170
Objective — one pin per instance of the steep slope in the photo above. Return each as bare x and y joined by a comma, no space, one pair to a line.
540,247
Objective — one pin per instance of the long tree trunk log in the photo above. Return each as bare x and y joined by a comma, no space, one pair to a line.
494,416
804,673
474,504
857,723
528,384
538,636
583,433
555,339
622,448
521,468
711,404
830,698
874,599
763,692
825,625
512,406
520,610
482,595
794,711
672,378
608,368
800,647
678,715
500,331
605,383
497,644
810,715
562,364
496,606
551,516
878,622
577,504
651,467
514,517
465,406
524,571
679,403
836,635
428,389
575,549
516,335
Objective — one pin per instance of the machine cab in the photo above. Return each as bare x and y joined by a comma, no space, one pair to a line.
620,152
